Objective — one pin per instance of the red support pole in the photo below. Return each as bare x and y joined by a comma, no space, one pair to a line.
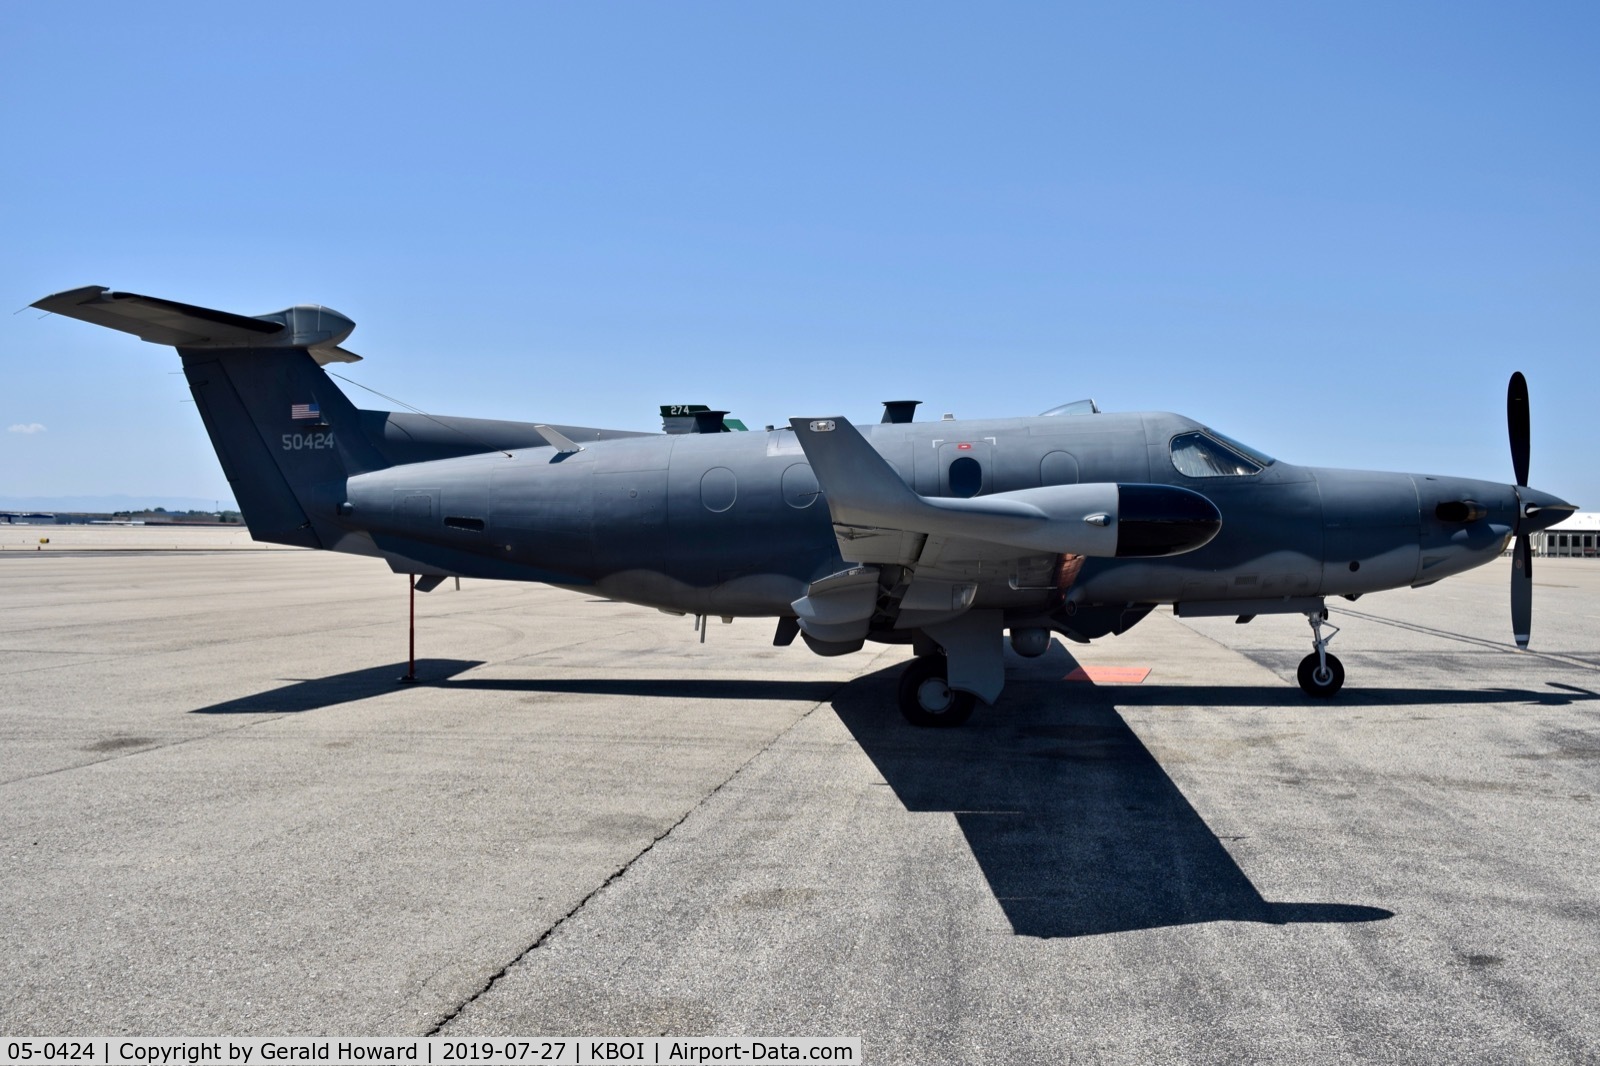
411,673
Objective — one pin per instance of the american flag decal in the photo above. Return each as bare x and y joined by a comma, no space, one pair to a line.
304,410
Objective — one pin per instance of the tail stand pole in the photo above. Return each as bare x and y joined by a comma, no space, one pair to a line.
410,677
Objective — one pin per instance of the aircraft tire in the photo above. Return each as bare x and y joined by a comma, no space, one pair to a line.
1324,688
926,700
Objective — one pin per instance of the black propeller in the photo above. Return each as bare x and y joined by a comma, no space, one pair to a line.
1517,420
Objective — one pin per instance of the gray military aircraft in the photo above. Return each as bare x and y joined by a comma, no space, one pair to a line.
944,535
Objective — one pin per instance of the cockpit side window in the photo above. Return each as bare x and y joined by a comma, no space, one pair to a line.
1202,455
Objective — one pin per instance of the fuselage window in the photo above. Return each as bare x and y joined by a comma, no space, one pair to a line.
1200,455
966,477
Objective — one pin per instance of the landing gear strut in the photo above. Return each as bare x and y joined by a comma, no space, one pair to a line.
925,698
1321,674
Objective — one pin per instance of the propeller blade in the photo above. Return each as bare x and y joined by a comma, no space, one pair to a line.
1522,590
1517,422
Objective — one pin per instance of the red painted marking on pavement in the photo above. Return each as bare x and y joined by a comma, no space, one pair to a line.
1109,675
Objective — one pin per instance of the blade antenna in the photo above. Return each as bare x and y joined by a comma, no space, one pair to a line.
419,411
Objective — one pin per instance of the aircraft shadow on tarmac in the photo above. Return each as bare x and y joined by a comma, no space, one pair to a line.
1289,695
698,688
1074,823
314,693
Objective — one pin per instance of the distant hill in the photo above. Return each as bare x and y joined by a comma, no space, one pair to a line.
109,504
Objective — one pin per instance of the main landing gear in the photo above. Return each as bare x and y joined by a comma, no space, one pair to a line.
1321,674
925,698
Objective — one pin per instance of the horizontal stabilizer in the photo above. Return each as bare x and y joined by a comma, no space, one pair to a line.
314,328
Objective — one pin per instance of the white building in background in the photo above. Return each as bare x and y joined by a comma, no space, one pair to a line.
1577,537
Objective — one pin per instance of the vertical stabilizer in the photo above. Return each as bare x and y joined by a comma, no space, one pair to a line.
287,438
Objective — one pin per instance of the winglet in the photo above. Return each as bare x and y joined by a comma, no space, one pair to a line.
860,485
1097,518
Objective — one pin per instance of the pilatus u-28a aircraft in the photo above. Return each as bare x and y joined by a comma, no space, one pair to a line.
945,535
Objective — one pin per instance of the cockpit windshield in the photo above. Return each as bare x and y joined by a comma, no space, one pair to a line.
1076,407
1254,454
1211,454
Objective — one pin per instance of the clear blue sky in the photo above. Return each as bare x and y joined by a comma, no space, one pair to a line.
1331,231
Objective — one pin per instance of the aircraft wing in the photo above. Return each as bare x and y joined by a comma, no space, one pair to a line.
949,546
867,495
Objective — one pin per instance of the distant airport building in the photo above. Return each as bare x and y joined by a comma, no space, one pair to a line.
1576,538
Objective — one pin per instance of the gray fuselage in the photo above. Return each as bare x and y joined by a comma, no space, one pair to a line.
734,524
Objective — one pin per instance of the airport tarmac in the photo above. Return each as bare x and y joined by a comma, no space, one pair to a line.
31,537
222,816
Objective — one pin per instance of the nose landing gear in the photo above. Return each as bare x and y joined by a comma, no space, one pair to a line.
1321,674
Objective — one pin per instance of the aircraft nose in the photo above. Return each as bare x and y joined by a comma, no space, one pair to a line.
1540,510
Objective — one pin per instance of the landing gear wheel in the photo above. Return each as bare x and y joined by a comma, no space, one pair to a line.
1319,683
926,700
